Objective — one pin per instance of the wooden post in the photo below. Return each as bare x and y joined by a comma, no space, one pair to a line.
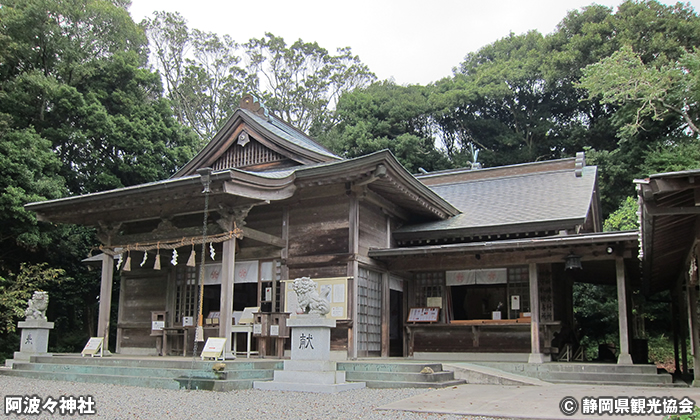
228,261
536,355
693,325
105,299
624,358
386,314
353,270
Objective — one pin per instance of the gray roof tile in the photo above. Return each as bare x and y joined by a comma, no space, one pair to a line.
524,199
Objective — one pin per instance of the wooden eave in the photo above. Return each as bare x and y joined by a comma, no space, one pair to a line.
514,229
228,135
670,220
381,173
169,198
627,240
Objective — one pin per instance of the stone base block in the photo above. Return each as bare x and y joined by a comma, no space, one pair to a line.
22,356
306,377
310,365
34,340
539,358
302,387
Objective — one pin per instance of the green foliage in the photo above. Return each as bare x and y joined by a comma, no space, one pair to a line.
300,82
203,86
387,116
624,218
672,156
79,112
654,92
694,416
16,289
595,315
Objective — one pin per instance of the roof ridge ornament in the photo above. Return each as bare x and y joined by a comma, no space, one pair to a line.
254,104
580,164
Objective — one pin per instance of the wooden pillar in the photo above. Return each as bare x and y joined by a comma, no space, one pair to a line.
693,325
536,355
228,261
353,270
105,299
624,358
386,314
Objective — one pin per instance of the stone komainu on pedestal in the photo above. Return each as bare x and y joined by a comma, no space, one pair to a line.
35,328
309,299
36,306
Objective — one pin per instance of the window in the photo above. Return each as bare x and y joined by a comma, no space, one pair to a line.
185,293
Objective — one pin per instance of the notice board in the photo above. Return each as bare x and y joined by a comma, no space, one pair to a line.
334,290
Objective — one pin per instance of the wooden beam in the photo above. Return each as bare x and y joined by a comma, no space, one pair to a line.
263,237
319,260
654,210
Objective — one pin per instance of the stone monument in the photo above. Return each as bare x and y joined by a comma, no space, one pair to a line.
35,328
310,368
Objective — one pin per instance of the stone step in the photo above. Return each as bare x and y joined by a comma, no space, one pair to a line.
394,384
589,373
411,377
526,368
387,367
150,372
609,377
139,381
244,364
618,383
398,375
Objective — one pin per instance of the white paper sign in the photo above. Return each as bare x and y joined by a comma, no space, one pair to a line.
515,302
274,330
214,347
93,346
187,321
257,328
157,325
338,293
336,311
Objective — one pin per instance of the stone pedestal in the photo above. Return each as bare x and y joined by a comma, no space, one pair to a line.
310,369
35,339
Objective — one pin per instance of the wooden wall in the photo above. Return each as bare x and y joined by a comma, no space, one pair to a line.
372,228
141,292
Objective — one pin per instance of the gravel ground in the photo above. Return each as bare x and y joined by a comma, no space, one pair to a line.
126,402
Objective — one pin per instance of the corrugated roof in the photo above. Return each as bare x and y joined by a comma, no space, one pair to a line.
515,200
287,132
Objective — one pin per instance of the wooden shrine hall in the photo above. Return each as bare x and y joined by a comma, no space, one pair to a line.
457,264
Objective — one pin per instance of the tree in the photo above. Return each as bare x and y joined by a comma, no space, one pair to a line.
624,218
387,116
78,113
16,289
201,72
655,92
303,82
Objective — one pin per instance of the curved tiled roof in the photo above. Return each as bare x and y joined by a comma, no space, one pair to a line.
501,202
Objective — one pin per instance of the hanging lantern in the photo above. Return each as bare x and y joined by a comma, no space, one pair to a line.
173,260
573,262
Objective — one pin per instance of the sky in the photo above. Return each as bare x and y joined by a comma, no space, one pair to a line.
407,41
